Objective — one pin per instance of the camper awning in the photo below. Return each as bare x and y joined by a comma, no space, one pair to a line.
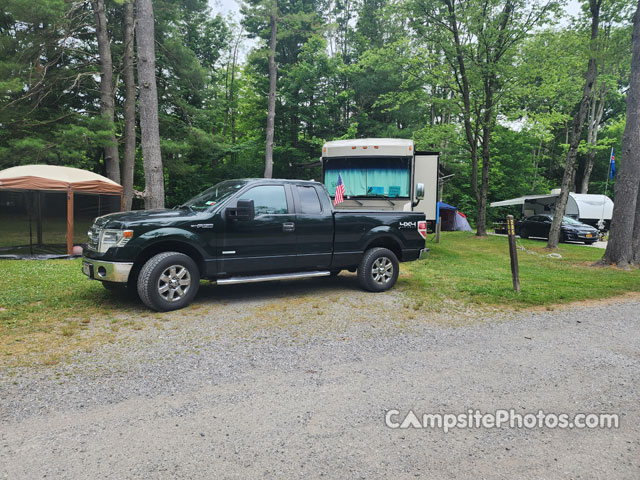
519,200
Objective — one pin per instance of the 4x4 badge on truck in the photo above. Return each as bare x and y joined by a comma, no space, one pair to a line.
407,225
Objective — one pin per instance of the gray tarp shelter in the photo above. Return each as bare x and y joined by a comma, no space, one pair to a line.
45,209
586,207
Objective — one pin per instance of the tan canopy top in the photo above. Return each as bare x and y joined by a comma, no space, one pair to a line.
52,177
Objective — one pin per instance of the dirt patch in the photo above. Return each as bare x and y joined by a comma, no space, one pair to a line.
625,297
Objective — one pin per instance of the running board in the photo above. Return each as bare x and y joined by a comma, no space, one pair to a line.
268,278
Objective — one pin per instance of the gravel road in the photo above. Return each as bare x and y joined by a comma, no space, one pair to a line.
293,380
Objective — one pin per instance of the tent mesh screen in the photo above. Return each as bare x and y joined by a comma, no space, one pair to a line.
35,222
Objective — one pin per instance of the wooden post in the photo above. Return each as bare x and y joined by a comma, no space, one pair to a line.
69,220
511,232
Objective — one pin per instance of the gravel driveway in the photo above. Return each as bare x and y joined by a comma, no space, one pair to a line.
293,379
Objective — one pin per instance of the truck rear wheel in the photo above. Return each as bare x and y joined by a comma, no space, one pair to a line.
168,281
378,270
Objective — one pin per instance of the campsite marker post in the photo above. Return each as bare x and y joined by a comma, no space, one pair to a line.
515,274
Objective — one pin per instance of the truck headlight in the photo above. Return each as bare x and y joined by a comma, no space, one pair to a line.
114,238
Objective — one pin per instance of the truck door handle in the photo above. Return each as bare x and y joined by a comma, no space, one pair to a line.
288,227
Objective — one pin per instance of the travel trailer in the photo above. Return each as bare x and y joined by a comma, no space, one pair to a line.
592,209
382,174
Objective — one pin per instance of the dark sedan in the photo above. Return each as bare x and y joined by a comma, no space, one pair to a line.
571,231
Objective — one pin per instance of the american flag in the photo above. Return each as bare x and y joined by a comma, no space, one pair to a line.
339,198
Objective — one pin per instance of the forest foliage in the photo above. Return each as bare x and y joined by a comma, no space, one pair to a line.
345,69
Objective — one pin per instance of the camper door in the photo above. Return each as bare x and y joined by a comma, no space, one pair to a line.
426,172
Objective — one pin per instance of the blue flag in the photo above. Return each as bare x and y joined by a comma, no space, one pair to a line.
612,165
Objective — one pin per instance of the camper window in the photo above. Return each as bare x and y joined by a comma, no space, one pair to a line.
369,176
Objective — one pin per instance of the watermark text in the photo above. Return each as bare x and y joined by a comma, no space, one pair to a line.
499,419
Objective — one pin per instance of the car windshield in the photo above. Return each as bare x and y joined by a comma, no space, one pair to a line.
570,221
214,195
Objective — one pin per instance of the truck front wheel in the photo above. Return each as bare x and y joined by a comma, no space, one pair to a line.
378,270
168,281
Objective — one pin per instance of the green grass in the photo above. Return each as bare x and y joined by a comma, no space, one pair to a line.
48,309
476,270
47,306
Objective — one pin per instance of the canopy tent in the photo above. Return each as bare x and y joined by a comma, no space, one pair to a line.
51,204
451,219
588,208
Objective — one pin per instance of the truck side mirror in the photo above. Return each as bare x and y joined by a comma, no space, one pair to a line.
244,211
419,191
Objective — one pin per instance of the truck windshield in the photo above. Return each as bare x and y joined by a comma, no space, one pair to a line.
369,176
214,195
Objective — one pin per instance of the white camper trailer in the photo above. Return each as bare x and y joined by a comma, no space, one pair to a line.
588,208
382,174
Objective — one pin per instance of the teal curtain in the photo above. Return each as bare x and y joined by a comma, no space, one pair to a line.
393,182
355,181
390,182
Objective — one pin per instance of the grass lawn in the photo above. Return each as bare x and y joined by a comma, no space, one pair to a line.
46,306
476,270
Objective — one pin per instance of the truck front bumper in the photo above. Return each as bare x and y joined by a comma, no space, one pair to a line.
117,272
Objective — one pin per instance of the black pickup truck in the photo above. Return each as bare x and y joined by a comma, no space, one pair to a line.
248,231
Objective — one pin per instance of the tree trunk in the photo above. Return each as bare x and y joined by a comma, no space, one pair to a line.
481,222
625,223
594,127
464,89
229,111
129,158
273,74
635,242
578,121
586,174
233,110
149,128
226,96
107,104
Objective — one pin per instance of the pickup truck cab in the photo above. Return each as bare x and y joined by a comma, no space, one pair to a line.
248,230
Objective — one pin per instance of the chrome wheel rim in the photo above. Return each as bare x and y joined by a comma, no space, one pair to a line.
382,270
174,283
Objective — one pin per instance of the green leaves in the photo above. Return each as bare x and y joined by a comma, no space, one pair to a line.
346,69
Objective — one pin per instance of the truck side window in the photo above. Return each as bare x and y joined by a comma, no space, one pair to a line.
267,199
309,200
